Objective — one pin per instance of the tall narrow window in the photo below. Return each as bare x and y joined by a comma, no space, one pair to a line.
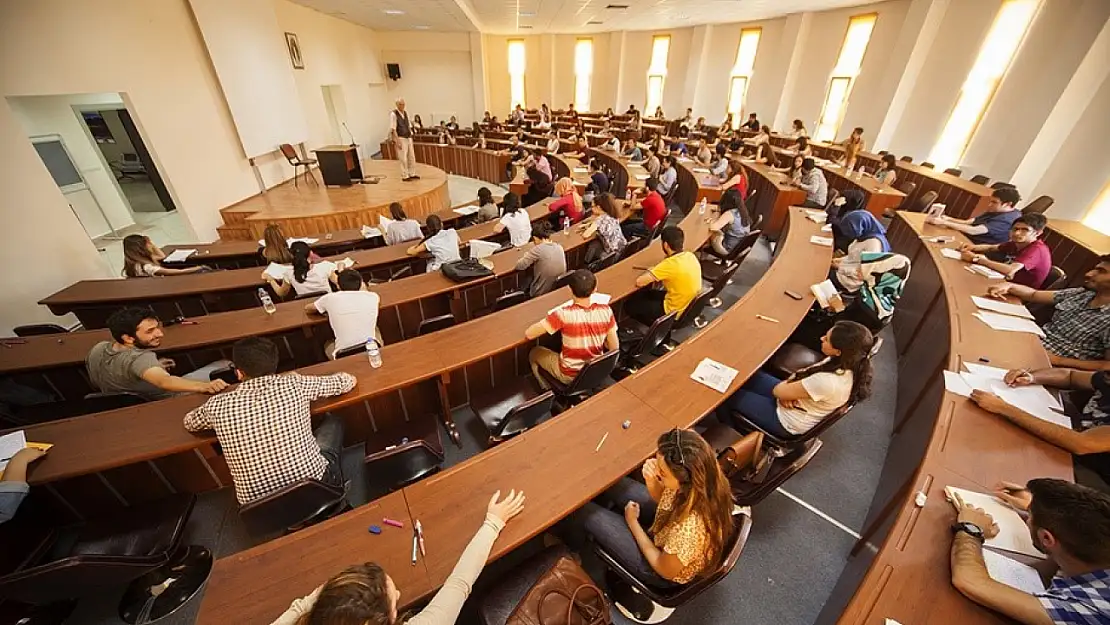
516,72
844,76
583,73
657,73
1098,217
998,49
742,72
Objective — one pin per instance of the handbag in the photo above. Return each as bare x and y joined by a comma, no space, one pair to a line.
465,270
563,595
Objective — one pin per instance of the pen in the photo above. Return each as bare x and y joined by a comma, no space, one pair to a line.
766,318
420,538
414,547
601,442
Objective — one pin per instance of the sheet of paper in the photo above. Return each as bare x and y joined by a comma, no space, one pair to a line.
308,240
714,375
1013,533
466,210
701,170
949,252
642,176
985,271
826,228
825,241
954,383
346,263
986,371
483,249
1006,308
823,291
369,233
9,445
580,170
178,256
1012,573
276,271
383,222
1008,323
976,382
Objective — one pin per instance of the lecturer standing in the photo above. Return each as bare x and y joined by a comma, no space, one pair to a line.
400,131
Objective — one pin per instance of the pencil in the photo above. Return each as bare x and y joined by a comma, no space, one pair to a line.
601,442
766,318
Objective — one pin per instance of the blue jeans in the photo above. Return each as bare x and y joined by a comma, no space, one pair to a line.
756,401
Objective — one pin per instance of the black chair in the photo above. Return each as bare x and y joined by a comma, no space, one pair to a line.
111,401
1054,281
999,185
793,357
980,179
928,164
507,299
227,374
292,507
1039,205
924,202
677,596
906,159
710,269
954,171
692,314
636,341
511,408
350,351
435,324
589,380
137,547
756,471
562,280
604,262
296,161
724,277
39,329
635,245
830,199
402,465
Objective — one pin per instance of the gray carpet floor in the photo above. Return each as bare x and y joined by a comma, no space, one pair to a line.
793,556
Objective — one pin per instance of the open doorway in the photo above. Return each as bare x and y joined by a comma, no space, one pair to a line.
115,136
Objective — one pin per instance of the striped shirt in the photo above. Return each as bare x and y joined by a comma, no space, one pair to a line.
584,330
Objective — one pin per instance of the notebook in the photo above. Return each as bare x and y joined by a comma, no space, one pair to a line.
714,375
179,256
1013,533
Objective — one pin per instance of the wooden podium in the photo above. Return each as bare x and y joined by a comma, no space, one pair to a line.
339,165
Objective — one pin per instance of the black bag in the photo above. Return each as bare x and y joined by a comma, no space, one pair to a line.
465,270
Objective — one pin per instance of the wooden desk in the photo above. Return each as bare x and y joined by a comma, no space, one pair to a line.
240,254
774,196
1075,247
878,197
899,569
488,165
339,165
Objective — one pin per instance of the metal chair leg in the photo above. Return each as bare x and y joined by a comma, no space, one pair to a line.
715,302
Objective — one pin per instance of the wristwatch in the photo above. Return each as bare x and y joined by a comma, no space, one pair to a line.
970,529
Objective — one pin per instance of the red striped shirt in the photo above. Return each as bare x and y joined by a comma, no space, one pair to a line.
584,330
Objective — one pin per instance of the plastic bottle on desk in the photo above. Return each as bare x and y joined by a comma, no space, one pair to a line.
702,205
267,303
628,194
373,353
566,224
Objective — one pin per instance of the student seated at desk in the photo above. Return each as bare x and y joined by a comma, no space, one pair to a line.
546,257
553,143
364,594
275,247
632,151
143,259
686,504
600,180
13,484
863,234
669,176
680,275
402,228
793,170
798,130
705,152
852,225
128,363
736,178
569,203
488,209
442,243
721,163
1078,336
801,146
786,408
603,229
1088,439
888,170
812,181
352,312
653,165
1071,525
588,330
540,186
418,123
991,227
514,219
265,424
732,225
1026,260
651,207
752,123
304,277
480,143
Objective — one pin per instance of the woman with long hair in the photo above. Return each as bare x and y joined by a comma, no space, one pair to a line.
726,124
304,277
799,129
786,408
685,504
364,594
801,146
514,219
605,226
142,258
401,228
794,169
888,170
487,206
569,203
737,178
733,225
275,248
442,243
659,113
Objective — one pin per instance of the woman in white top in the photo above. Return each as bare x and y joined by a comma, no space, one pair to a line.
786,408
402,228
303,277
515,219
552,143
799,130
365,593
442,244
142,258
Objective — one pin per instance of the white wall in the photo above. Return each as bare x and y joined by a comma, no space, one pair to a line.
437,74
765,86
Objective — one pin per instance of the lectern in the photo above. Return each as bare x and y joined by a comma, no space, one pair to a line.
339,164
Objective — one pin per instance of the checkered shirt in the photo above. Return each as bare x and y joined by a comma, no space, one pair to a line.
265,429
1079,600
1077,331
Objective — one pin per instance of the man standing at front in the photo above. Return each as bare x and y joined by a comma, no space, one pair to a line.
400,131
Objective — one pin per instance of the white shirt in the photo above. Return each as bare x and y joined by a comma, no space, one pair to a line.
519,226
444,248
353,316
827,392
315,281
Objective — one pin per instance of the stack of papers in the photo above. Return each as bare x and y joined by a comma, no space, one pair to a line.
580,170
1034,399
1013,573
642,176
985,271
179,256
818,217
1008,323
369,233
346,263
825,241
1013,533
949,252
276,271
1006,308
466,210
482,249
714,375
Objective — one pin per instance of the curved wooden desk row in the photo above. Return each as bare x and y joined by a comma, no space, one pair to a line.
1075,247
878,197
900,568
555,463
202,294
487,165
773,192
423,379
56,363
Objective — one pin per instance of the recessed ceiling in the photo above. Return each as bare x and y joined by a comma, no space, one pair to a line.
561,16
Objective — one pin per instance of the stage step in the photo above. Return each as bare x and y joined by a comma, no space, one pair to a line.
234,233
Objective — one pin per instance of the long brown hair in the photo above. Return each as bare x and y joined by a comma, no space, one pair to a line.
275,248
136,253
703,489
608,205
358,595
855,342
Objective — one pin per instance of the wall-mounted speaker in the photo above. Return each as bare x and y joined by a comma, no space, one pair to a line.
394,71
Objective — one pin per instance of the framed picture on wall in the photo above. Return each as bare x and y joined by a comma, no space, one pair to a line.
294,50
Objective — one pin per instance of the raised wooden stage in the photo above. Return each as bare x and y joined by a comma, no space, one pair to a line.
305,209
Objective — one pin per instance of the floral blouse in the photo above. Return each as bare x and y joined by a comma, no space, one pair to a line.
687,539
609,231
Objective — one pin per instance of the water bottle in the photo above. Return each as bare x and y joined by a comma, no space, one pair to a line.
701,207
267,303
566,224
373,353
628,194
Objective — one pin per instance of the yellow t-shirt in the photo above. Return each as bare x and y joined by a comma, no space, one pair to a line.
681,275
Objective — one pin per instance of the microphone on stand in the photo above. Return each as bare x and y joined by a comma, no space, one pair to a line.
358,160
349,134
